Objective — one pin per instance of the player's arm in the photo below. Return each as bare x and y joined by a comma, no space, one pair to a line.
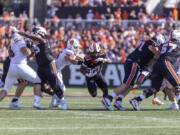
32,57
71,58
154,50
107,60
104,60
80,57
26,51
33,37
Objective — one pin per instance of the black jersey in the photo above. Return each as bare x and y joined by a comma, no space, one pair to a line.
170,51
142,55
43,54
93,65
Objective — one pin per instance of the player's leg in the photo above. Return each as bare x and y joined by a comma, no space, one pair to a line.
131,70
91,84
20,88
156,81
62,100
54,82
9,82
173,78
172,98
30,75
99,80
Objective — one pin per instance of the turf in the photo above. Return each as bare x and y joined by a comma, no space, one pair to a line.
86,116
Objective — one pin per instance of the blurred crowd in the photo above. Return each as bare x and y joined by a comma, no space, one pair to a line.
118,32
97,3
117,39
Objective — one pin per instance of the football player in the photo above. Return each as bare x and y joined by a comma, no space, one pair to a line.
91,68
46,64
136,61
163,68
20,88
19,68
70,55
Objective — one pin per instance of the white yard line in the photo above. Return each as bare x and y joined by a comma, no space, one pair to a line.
86,128
162,120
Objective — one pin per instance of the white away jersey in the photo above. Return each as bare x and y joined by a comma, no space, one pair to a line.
60,60
17,43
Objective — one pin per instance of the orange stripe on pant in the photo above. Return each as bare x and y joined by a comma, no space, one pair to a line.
132,74
140,79
54,67
171,70
55,71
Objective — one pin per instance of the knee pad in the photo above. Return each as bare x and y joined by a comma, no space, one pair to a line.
149,92
177,90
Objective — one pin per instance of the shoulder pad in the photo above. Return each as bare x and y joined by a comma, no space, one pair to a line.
69,52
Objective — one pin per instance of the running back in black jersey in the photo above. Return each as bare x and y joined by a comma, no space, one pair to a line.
93,66
43,54
94,77
142,55
170,51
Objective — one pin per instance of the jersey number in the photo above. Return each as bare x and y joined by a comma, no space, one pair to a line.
165,47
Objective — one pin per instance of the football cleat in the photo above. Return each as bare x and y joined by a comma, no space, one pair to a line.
15,105
118,105
38,106
107,103
156,101
135,104
173,106
63,104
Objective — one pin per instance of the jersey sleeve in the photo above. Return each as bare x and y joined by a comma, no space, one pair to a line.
21,43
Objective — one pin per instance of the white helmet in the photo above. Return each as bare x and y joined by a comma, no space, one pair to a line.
72,43
94,47
175,35
39,30
160,39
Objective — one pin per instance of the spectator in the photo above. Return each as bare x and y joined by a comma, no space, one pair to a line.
90,15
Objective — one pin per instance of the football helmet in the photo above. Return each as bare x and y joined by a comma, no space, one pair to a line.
160,39
72,44
40,31
94,48
175,35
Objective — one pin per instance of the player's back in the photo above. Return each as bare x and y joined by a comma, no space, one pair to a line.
43,55
16,45
61,62
142,55
170,51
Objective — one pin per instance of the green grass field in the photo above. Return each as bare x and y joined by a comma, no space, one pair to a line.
86,116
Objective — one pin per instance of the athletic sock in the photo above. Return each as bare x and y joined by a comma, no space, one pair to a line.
120,97
36,99
142,97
